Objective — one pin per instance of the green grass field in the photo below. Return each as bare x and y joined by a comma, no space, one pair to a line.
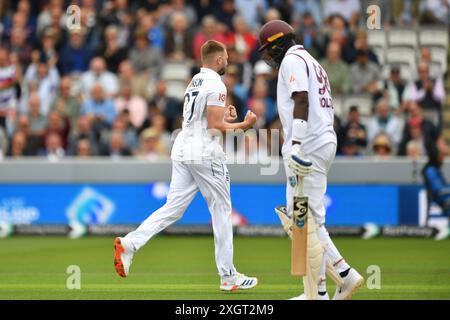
182,267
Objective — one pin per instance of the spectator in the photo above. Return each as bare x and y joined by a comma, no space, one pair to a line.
8,82
417,128
98,74
310,9
349,9
18,145
38,122
116,148
355,131
337,70
360,43
350,148
56,124
75,56
178,39
241,38
159,123
252,11
152,31
208,31
170,107
53,147
365,74
136,106
311,37
84,149
259,107
111,51
99,107
130,134
32,142
233,98
384,121
144,57
243,68
141,84
260,91
394,87
18,44
429,93
82,132
44,77
405,12
151,147
66,103
3,144
225,13
382,147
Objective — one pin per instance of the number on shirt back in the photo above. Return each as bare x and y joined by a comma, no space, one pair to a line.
322,78
188,99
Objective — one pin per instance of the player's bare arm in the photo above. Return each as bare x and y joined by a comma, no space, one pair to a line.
230,113
216,120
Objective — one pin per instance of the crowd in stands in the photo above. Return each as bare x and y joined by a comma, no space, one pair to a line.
113,85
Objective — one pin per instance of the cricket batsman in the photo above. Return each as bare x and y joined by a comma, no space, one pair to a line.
198,163
306,112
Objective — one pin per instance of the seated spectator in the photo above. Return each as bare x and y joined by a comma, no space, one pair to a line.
153,31
99,107
233,98
38,122
42,75
354,130
84,149
32,142
141,84
242,68
98,74
122,124
350,148
208,31
394,87
349,9
382,147
151,147
19,45
82,132
8,82
59,125
384,121
413,150
263,71
241,38
66,103
429,93
337,70
360,43
111,51
170,107
53,148
144,57
260,92
312,37
417,128
116,148
75,56
159,123
136,105
365,74
178,39
18,145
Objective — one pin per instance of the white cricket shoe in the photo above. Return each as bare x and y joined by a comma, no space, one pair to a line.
352,282
443,234
123,256
319,297
237,281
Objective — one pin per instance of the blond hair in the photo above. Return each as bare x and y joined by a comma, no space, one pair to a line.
209,48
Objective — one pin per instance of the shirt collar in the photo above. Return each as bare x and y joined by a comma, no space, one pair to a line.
210,71
293,48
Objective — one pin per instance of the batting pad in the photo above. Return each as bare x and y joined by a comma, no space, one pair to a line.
314,260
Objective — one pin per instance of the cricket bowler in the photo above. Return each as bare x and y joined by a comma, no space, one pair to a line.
306,112
198,163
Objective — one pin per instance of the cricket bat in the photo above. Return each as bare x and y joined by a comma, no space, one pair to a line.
299,231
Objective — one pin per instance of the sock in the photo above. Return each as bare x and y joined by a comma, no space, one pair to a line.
331,251
322,287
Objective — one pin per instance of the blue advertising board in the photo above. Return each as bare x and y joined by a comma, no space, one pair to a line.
348,205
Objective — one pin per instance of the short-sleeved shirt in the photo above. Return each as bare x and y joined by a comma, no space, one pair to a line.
7,90
195,142
299,72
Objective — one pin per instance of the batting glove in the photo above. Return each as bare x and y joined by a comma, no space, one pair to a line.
298,162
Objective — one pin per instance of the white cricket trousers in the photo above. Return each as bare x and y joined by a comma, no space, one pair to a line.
212,178
315,187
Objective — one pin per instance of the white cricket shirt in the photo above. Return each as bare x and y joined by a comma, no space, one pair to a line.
298,72
195,142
